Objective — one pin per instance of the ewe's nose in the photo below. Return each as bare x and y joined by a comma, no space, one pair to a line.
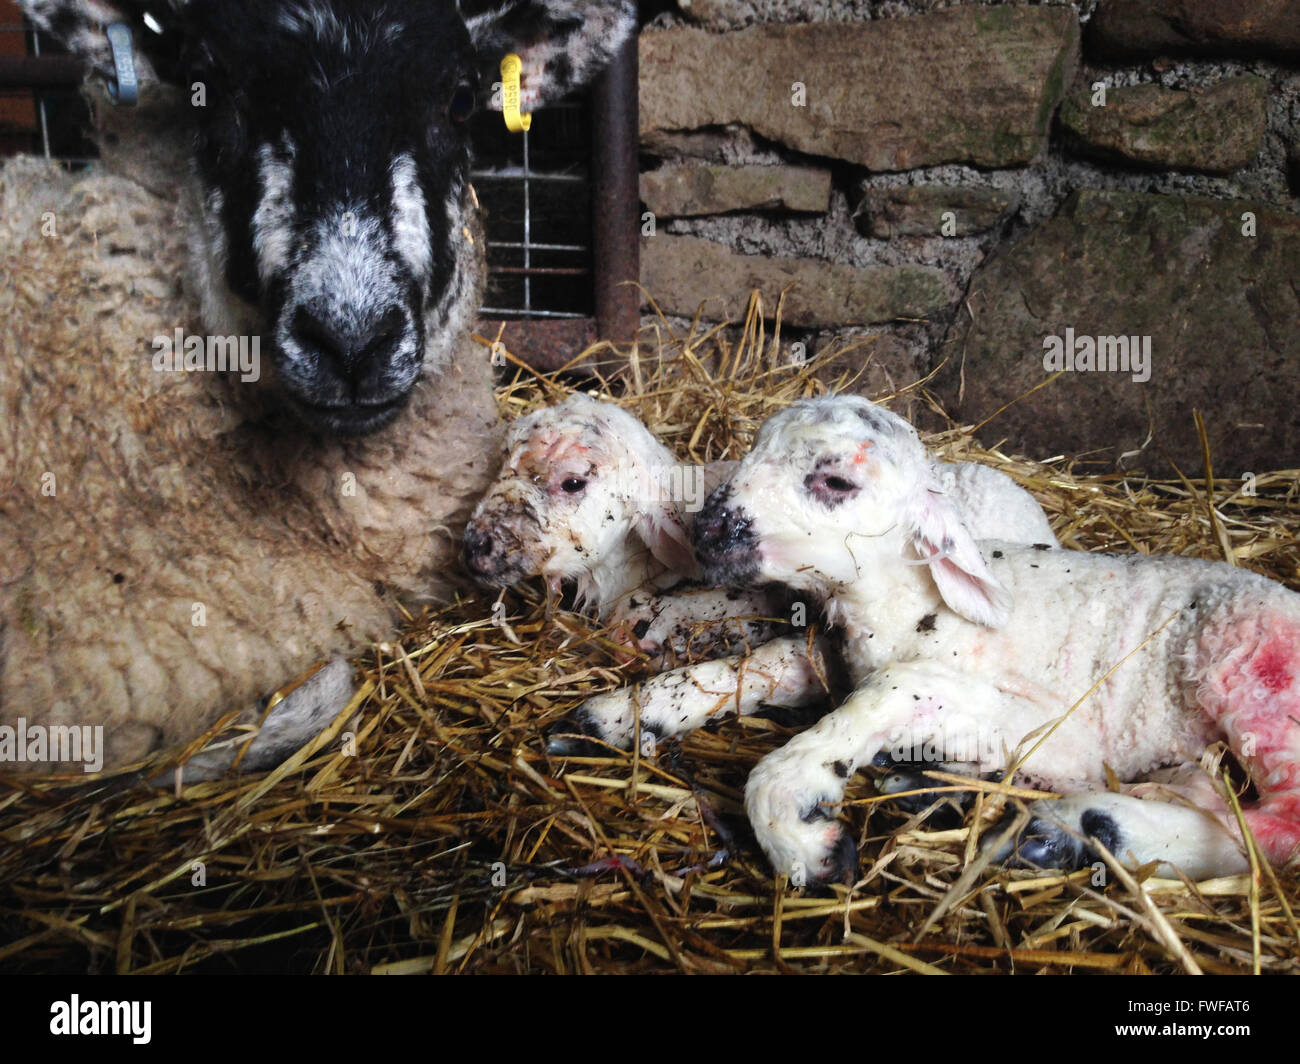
357,349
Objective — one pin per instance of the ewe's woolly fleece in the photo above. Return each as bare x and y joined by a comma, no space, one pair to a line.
177,489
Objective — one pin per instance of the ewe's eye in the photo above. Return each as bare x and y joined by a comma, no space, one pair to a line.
573,485
839,484
462,104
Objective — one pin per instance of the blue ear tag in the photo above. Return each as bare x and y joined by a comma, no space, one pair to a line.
125,88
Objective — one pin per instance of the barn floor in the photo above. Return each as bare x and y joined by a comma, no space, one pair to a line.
450,842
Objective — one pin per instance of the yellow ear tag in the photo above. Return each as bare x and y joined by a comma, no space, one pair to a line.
511,67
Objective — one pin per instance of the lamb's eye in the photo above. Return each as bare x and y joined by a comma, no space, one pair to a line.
829,488
462,104
573,485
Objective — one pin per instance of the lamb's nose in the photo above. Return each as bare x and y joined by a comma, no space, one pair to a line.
479,551
720,530
358,350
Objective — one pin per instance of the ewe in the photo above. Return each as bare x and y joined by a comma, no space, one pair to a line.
179,544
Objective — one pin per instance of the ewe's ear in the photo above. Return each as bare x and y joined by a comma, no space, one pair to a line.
563,43
157,28
663,532
964,579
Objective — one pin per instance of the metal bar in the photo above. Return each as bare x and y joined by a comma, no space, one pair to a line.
515,174
503,311
41,72
544,345
528,230
40,103
516,246
615,199
541,271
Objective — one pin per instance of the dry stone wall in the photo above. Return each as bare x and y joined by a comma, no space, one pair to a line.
1105,193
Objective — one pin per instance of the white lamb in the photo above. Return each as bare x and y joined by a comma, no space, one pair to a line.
970,649
587,493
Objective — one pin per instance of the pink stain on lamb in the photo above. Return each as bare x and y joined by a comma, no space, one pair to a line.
547,452
1250,689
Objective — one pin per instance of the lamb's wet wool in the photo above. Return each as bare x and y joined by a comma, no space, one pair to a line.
587,495
777,662
581,496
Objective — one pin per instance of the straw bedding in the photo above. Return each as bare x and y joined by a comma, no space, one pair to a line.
428,831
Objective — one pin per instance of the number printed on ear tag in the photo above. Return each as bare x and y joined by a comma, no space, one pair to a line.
511,68
125,90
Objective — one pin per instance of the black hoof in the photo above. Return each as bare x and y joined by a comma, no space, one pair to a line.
795,718
900,782
1044,844
843,862
951,811
815,812
575,738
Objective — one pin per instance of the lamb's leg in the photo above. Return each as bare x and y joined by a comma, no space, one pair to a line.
680,627
780,673
919,703
1134,829
1245,674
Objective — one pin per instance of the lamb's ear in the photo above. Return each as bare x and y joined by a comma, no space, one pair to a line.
157,29
968,586
563,43
663,532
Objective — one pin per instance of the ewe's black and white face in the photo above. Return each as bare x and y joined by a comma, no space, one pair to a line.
333,160
333,165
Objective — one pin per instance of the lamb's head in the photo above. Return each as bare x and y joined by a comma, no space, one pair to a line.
836,494
584,492
332,159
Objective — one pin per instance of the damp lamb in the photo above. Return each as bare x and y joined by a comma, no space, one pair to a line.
587,493
180,544
969,648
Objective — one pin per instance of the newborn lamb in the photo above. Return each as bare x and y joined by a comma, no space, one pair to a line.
587,493
970,648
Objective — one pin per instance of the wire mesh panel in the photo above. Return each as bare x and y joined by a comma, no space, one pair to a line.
536,198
